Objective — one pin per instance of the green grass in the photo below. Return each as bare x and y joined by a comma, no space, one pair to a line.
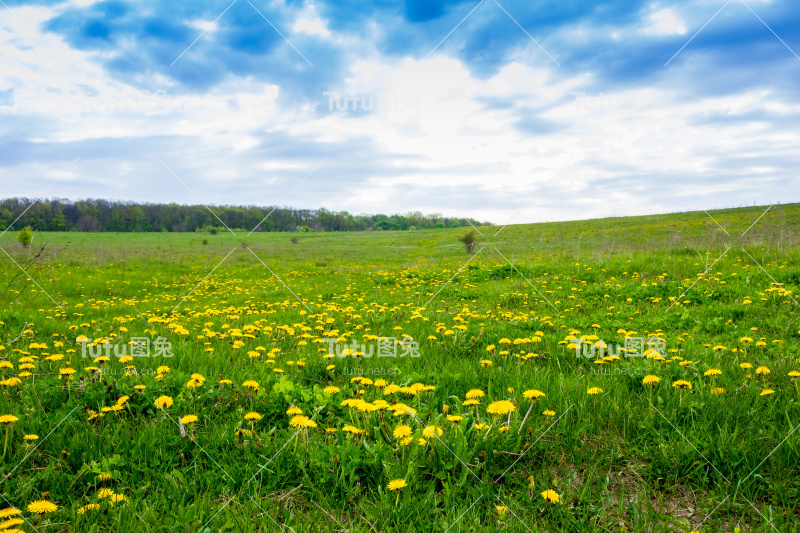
617,461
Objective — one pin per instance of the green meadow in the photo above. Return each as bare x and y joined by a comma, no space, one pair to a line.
618,374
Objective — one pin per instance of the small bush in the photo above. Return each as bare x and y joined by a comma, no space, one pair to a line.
25,236
469,240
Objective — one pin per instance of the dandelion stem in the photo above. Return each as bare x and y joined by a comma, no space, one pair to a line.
5,445
524,419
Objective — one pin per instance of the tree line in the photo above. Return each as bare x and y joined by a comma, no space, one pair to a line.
123,216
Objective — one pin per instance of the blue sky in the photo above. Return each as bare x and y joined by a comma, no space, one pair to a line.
500,110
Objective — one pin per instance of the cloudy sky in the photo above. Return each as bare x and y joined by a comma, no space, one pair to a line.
502,110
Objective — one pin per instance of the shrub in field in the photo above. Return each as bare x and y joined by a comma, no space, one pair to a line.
468,240
25,236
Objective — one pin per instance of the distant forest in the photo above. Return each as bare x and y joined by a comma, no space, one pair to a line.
118,216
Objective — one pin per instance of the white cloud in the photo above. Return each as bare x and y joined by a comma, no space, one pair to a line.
433,117
312,26
665,21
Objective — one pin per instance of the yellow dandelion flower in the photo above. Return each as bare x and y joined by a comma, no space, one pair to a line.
396,484
402,431
10,523
431,432
533,394
41,507
163,402
88,507
651,380
501,407
189,419
550,496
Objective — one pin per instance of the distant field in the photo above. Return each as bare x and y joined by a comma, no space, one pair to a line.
490,421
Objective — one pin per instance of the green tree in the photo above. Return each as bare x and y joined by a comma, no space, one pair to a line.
25,236
469,240
59,222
